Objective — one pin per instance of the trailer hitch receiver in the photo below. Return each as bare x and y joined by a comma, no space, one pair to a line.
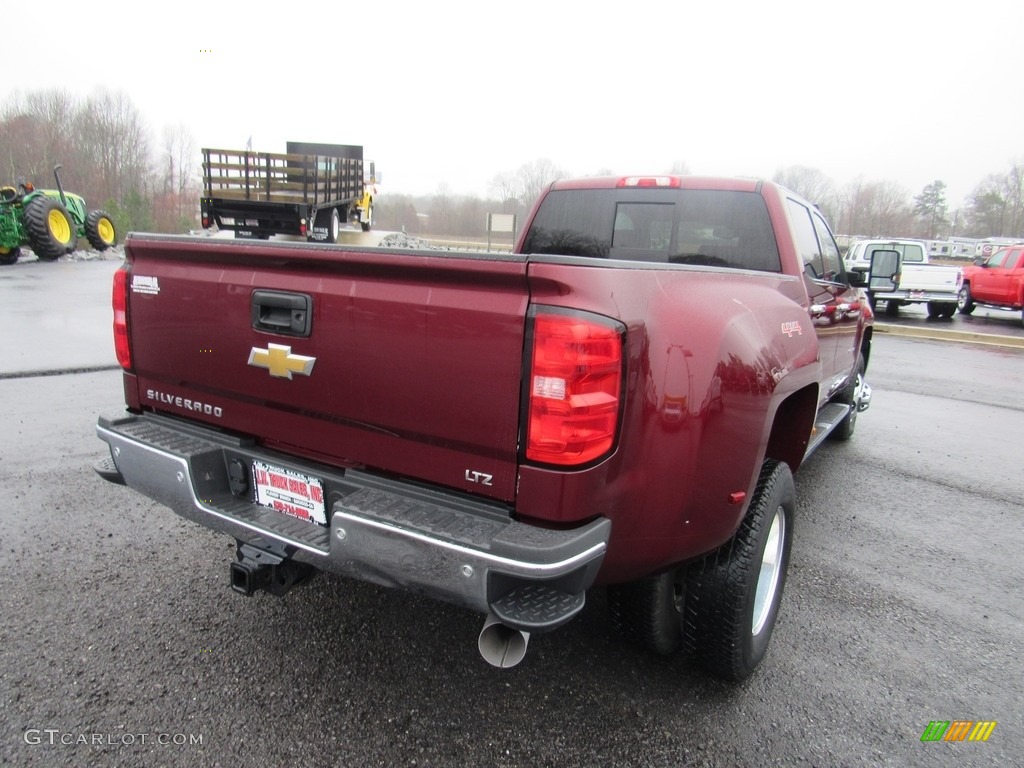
257,570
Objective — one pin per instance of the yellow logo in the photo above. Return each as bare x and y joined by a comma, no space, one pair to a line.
279,360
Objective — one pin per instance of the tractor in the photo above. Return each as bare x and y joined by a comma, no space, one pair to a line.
49,221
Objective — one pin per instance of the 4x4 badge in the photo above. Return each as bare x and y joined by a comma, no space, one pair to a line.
279,360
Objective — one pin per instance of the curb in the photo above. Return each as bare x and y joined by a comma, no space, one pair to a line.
939,334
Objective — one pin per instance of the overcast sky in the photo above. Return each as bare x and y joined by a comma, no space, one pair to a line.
455,92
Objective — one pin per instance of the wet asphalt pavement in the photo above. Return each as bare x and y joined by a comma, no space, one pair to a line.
121,643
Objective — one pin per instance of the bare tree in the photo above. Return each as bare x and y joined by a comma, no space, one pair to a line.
986,210
442,211
37,135
175,207
115,145
534,177
879,208
505,187
813,185
1014,195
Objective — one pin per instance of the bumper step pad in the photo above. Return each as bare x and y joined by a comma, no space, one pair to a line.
534,607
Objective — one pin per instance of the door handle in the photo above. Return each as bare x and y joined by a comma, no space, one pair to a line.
288,314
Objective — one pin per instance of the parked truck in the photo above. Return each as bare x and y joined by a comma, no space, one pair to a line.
620,402
997,282
901,273
310,191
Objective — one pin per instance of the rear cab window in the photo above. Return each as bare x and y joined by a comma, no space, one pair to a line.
719,228
909,252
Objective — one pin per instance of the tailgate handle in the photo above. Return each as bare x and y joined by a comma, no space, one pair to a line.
289,314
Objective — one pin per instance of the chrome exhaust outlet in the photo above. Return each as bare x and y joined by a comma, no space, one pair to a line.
500,645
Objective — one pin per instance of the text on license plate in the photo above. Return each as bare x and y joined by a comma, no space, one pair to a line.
292,493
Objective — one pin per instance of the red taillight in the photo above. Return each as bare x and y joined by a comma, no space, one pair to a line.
574,389
206,222
302,227
120,304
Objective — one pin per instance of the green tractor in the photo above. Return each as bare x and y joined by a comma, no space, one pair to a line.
49,221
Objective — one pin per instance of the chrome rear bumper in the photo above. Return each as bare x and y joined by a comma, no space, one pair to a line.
450,546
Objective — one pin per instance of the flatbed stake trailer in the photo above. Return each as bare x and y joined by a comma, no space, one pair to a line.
310,191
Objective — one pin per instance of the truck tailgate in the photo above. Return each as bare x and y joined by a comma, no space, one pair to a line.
410,362
930,277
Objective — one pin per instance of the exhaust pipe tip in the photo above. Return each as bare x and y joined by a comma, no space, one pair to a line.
501,645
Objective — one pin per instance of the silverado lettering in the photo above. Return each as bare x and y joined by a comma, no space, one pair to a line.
184,402
633,386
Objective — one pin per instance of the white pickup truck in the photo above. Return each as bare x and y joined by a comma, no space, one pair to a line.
901,274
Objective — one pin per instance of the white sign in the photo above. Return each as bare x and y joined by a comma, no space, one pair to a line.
501,222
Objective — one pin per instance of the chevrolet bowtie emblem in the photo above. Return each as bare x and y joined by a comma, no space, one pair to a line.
279,360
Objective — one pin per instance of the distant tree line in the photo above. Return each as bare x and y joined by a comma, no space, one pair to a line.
862,208
107,155
995,208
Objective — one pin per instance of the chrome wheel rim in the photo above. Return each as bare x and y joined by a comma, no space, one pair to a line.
771,569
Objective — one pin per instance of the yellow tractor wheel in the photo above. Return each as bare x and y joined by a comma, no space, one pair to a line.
99,230
51,233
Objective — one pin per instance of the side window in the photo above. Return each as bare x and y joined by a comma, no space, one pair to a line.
831,258
1015,261
998,258
806,240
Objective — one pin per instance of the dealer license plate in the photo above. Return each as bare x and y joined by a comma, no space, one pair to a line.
917,294
292,493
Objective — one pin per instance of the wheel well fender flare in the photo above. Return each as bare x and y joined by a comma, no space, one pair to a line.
791,427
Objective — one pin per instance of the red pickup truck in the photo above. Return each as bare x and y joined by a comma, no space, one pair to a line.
997,282
621,401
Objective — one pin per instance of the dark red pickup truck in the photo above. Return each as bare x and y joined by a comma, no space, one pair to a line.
620,402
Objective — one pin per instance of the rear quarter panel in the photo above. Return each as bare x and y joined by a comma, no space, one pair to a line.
708,364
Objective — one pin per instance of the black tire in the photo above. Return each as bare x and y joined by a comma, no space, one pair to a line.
964,302
940,309
366,223
722,589
328,220
100,231
892,308
9,255
51,232
649,611
850,395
